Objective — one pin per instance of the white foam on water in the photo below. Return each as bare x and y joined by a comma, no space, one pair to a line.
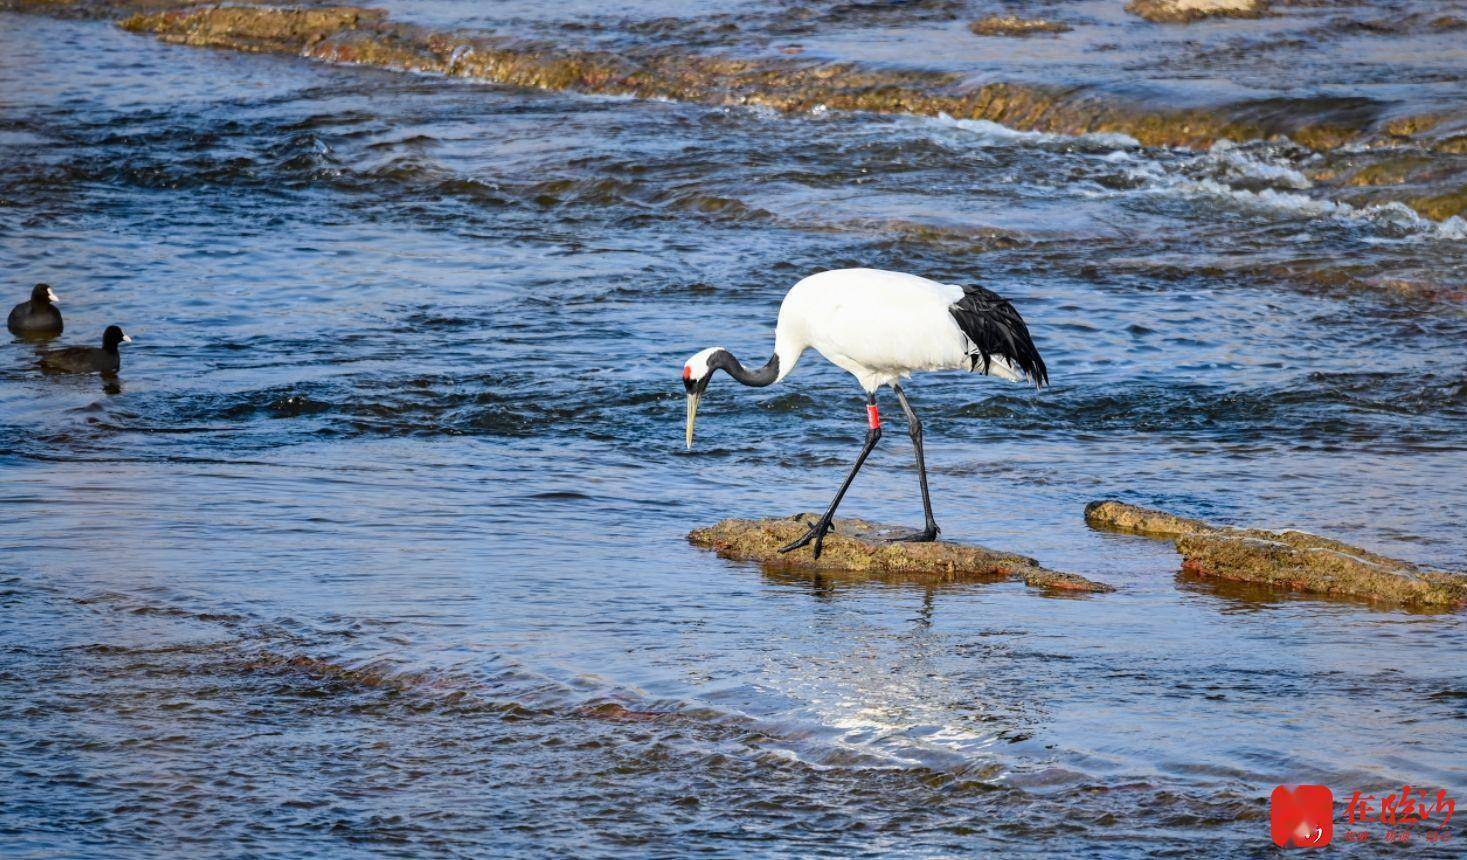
988,133
1234,159
1393,214
1157,178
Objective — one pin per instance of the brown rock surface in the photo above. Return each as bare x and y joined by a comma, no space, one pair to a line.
1008,25
1441,206
866,549
1185,11
281,30
1290,560
1120,517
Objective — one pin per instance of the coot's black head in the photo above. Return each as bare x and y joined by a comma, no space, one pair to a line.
42,295
112,337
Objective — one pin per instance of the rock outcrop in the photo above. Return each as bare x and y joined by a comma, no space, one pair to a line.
1287,560
1008,25
1185,11
1352,134
865,550
360,36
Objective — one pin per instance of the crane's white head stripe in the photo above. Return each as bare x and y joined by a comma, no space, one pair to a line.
697,367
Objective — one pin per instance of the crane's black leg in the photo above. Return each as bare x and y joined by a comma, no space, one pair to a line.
914,426
822,525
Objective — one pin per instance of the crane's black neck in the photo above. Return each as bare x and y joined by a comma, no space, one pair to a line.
724,360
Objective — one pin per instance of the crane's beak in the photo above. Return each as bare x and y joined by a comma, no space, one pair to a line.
693,398
51,296
127,338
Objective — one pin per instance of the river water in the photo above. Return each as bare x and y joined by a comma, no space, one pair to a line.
376,546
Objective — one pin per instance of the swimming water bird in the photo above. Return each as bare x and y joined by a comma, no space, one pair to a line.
88,359
37,316
882,327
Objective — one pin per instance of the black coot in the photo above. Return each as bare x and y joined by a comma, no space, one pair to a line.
38,316
88,359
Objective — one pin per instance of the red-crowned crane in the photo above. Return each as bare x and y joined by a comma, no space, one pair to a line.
882,327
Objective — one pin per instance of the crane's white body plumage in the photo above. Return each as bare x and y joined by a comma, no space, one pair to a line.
878,326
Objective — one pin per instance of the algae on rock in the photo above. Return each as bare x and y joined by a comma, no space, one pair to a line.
865,550
1289,560
1008,25
1186,11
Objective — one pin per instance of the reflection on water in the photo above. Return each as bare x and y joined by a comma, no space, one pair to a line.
377,542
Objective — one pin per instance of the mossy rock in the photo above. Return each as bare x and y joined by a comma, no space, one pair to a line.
1394,170
1008,25
858,549
1187,11
1287,560
1441,206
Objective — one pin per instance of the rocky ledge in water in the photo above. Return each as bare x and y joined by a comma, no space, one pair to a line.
362,36
867,550
1186,11
1358,131
1289,560
1008,25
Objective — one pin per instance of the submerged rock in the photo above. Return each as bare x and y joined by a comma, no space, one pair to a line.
781,84
1290,560
265,29
1441,206
866,549
1008,25
1352,131
1185,11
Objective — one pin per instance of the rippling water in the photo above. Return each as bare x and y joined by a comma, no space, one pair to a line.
377,543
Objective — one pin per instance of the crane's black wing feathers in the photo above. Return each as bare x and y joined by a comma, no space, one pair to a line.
995,328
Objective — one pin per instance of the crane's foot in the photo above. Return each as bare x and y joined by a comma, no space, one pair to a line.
927,535
816,533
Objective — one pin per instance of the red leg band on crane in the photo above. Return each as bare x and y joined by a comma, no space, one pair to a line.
873,417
